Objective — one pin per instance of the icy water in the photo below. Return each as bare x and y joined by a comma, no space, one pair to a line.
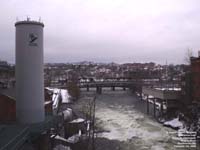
127,127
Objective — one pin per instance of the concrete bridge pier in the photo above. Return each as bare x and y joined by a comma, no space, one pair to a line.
141,96
147,100
154,107
99,90
113,88
161,108
88,88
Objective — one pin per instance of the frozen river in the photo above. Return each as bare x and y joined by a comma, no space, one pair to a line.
127,127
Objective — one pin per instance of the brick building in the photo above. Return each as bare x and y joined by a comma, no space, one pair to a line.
7,109
8,105
195,74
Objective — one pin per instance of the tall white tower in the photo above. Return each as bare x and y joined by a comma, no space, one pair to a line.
29,71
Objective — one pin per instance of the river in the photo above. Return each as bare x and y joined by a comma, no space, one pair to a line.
122,117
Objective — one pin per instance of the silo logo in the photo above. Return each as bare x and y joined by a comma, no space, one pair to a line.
33,39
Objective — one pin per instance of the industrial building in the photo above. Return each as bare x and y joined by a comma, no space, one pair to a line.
162,98
195,73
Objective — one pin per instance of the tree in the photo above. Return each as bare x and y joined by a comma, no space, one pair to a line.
73,90
188,55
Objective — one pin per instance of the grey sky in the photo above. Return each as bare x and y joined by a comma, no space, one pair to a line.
107,30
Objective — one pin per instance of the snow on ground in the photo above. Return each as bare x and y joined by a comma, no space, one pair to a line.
175,123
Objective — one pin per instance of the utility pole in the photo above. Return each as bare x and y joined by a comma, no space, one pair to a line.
93,124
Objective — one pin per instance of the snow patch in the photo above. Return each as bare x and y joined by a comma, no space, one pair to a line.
59,95
79,120
73,139
175,123
47,102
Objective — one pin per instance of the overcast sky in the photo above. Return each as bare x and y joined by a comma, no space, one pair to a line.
107,30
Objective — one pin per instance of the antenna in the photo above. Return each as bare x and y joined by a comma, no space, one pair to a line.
166,68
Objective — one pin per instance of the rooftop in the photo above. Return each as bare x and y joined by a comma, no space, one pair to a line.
30,21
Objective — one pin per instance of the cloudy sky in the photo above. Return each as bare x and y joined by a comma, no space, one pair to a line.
107,30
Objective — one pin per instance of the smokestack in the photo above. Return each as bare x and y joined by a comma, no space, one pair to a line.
29,71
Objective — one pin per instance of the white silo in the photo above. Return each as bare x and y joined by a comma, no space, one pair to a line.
29,72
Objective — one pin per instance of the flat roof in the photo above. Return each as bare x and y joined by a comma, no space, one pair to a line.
29,22
162,94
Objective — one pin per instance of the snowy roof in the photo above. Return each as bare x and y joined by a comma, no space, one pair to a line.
169,89
73,139
67,113
55,98
79,120
47,102
59,95
65,96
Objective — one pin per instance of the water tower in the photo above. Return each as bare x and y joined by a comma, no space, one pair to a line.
29,71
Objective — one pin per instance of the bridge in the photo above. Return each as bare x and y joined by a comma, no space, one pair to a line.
124,83
112,84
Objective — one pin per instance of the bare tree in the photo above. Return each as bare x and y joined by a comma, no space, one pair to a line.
188,55
73,90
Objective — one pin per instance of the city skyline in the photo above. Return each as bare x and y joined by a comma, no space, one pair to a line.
107,31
